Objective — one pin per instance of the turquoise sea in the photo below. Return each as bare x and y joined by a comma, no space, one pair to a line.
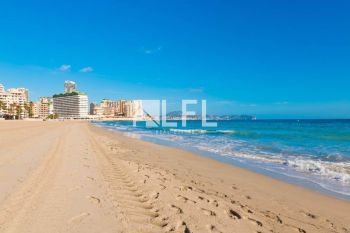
312,153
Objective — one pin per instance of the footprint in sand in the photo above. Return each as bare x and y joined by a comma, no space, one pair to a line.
256,222
233,214
213,229
182,227
79,218
310,215
214,203
208,212
90,178
185,199
184,188
94,199
155,195
273,216
202,198
178,209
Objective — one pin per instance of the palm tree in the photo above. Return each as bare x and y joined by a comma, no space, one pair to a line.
19,111
12,109
2,107
29,108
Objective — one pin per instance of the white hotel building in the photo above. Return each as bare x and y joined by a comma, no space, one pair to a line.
17,96
71,104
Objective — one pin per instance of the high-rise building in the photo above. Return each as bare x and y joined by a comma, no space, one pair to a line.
43,108
2,88
112,108
96,109
69,87
22,93
118,108
35,109
71,104
14,100
133,109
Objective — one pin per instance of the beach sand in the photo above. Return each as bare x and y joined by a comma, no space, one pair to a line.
75,177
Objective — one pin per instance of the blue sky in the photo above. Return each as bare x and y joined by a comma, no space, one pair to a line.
274,59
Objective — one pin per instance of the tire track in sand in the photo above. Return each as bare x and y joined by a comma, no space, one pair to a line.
19,206
133,204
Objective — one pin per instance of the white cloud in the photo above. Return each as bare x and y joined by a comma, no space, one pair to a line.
65,67
87,69
152,50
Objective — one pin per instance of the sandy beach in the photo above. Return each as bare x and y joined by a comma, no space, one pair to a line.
75,177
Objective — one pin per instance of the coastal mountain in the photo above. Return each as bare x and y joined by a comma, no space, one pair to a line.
234,117
178,115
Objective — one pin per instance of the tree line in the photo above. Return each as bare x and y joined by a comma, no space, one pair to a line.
17,110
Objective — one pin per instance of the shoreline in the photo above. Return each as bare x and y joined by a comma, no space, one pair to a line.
76,177
269,189
291,177
294,181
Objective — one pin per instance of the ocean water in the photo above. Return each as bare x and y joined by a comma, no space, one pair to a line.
313,153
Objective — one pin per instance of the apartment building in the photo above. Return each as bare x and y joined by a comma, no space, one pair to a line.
12,97
96,109
112,108
72,103
118,108
43,108
133,109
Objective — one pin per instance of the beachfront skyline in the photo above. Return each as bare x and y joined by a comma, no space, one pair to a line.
273,60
